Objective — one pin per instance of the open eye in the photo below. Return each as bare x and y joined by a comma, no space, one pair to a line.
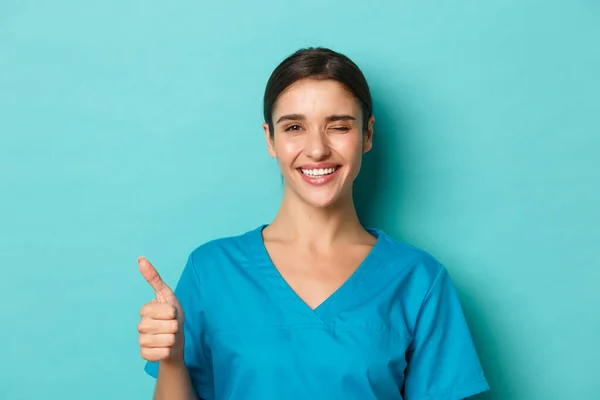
293,128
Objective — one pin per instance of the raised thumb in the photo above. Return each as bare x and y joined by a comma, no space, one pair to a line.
163,291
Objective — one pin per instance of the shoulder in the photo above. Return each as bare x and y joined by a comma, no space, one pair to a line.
222,246
411,263
225,254
410,259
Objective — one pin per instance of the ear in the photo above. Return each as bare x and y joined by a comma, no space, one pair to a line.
368,136
270,140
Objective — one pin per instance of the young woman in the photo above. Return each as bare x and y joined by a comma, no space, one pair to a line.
312,305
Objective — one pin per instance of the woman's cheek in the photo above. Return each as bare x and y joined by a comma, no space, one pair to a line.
349,146
289,148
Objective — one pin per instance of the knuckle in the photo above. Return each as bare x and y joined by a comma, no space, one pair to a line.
146,355
174,326
144,340
150,355
146,309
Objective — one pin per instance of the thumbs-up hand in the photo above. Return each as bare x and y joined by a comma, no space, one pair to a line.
161,326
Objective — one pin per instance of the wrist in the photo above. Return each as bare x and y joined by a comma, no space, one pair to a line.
175,361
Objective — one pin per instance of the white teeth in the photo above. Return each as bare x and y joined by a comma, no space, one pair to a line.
318,172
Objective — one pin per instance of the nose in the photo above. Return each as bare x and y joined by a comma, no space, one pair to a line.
317,145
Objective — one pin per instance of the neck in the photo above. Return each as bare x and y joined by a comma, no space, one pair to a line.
316,227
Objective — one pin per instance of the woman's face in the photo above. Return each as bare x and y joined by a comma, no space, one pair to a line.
318,140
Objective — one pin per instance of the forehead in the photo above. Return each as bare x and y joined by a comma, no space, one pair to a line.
316,97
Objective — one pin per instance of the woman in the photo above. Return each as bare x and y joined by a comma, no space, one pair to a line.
312,305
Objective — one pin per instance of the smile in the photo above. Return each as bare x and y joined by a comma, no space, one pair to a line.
319,176
316,173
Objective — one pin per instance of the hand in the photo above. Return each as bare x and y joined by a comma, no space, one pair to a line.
161,327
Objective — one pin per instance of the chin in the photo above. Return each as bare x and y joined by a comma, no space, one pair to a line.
322,201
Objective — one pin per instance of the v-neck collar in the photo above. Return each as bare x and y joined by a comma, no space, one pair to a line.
351,292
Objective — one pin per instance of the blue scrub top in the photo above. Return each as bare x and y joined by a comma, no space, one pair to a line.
394,330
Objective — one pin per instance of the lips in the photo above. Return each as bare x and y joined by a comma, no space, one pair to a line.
318,174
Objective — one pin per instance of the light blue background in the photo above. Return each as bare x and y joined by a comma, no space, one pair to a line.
133,127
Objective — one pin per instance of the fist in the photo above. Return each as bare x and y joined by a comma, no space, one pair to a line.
161,326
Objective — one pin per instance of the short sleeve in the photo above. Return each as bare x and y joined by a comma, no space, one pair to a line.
442,363
196,353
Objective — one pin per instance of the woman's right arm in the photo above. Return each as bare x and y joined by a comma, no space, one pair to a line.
173,382
161,339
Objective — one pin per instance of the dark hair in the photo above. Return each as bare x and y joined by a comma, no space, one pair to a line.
317,63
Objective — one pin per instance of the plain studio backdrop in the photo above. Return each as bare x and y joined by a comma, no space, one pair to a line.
134,128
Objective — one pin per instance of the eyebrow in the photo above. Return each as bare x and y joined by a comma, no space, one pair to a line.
302,117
